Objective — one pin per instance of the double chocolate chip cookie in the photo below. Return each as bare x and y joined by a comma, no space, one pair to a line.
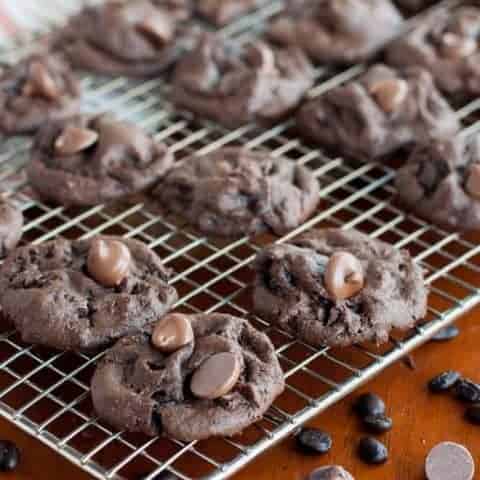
11,223
124,37
447,44
196,377
337,31
87,160
234,86
37,89
441,182
234,192
378,113
84,294
338,287
221,12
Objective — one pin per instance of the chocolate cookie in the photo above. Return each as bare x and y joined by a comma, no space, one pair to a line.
234,192
221,12
38,89
234,86
338,287
87,160
447,45
217,380
441,182
11,223
378,113
124,38
336,31
84,294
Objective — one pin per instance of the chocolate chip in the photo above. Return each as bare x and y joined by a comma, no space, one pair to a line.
312,441
457,46
473,414
172,332
369,404
108,261
41,83
467,390
378,423
443,382
372,451
389,93
473,181
446,334
331,472
74,140
343,276
9,456
216,376
449,461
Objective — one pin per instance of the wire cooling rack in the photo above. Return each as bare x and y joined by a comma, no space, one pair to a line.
46,393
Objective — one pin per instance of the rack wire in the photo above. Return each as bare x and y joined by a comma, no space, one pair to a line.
46,393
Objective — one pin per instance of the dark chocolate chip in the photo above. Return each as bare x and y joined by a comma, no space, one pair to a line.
378,423
473,414
372,451
369,404
467,390
313,441
9,456
443,382
446,334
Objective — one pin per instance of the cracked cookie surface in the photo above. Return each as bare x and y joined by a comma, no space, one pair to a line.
38,89
441,182
381,111
336,31
139,388
234,192
291,289
234,86
86,160
47,292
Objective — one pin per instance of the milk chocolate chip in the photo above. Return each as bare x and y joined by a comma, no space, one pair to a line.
172,332
158,27
473,181
41,83
216,376
74,140
108,261
343,276
390,93
262,56
457,46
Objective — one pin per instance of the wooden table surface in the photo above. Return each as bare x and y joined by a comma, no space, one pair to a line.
421,420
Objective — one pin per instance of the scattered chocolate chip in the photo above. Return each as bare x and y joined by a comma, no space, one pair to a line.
473,414
443,382
344,276
9,456
372,451
331,472
449,461
446,334
172,332
312,440
378,423
467,390
369,404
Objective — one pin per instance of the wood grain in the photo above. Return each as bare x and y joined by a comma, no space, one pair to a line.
421,421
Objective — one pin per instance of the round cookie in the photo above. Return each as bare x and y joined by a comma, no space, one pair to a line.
48,292
11,223
139,387
377,113
441,182
124,38
35,90
313,288
446,44
234,192
87,160
336,31
237,85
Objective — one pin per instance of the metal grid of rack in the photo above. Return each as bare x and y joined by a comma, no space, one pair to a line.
46,393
